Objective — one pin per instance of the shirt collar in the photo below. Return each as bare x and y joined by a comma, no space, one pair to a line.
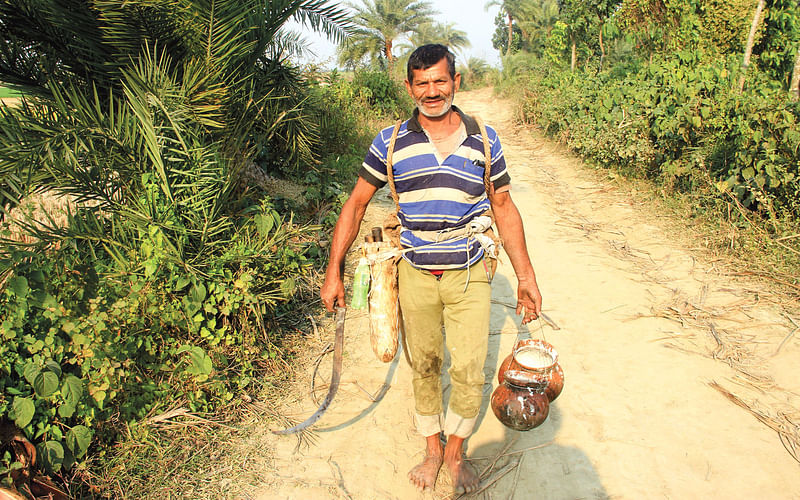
469,123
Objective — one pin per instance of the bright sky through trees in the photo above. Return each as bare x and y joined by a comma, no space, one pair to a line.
467,15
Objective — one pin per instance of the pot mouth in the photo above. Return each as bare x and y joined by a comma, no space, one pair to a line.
536,355
522,378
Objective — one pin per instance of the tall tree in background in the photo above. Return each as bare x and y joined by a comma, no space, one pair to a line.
661,26
777,49
536,19
511,10
794,86
500,40
379,24
748,50
572,14
444,33
725,23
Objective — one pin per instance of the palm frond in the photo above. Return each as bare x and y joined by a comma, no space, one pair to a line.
326,17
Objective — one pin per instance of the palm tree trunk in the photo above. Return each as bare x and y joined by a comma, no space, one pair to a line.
750,39
510,33
794,87
388,54
574,57
602,48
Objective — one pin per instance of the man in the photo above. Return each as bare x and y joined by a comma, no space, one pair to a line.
438,172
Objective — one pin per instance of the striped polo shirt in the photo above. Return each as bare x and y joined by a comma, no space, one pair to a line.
437,194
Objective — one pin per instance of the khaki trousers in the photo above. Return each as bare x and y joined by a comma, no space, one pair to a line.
428,303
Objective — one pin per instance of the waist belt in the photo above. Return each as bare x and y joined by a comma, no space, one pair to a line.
476,228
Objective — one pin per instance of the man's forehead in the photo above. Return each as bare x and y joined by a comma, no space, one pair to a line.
434,72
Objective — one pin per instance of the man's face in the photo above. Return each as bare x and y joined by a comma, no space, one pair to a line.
433,89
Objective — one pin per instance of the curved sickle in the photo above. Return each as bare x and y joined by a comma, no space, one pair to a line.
338,346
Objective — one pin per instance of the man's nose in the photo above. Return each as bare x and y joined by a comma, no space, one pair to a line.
431,90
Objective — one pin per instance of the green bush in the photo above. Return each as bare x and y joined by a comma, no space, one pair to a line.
87,348
382,92
675,120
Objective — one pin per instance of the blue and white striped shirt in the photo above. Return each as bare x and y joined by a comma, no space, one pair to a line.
437,194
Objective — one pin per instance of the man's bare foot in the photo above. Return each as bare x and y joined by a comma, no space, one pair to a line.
462,474
425,473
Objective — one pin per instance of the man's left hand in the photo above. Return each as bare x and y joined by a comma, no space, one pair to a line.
529,300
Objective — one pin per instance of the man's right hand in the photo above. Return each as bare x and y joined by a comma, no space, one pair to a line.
332,293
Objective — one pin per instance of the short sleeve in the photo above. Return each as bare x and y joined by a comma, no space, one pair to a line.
499,173
373,169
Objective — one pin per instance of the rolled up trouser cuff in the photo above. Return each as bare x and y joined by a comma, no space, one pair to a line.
428,425
456,425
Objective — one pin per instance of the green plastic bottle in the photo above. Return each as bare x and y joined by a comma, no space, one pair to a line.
360,285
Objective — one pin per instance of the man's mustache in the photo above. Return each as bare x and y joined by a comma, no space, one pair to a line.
428,99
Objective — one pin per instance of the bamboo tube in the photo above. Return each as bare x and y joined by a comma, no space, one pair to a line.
384,317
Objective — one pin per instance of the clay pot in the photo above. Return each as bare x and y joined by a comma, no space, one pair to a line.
554,372
519,402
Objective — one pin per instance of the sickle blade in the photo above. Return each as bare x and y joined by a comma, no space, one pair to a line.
338,346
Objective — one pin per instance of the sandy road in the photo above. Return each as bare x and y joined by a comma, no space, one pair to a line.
638,314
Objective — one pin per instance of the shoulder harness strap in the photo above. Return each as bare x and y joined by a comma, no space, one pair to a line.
389,171
487,153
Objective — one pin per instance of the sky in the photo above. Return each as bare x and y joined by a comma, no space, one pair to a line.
469,16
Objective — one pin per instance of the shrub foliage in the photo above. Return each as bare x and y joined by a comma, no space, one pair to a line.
159,288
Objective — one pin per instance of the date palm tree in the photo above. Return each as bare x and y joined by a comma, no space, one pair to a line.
379,24
443,33
474,72
149,110
537,17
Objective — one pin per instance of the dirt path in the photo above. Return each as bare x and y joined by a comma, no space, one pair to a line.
637,419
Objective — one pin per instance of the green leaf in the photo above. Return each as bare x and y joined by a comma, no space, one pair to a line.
150,267
748,173
45,384
53,367
197,293
23,409
55,431
99,397
8,330
66,410
51,453
199,362
80,339
264,223
31,371
181,283
72,389
19,285
78,440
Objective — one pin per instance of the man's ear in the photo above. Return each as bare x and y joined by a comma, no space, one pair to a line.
458,80
408,87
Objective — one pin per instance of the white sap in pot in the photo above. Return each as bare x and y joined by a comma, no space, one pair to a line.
533,358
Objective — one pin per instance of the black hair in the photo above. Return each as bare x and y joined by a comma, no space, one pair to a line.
427,55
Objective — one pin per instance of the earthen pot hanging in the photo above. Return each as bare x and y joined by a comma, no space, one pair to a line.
543,365
519,402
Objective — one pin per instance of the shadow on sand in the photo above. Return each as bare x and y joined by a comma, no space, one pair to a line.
546,470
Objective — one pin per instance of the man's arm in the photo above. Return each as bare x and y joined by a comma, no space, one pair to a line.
344,234
512,232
